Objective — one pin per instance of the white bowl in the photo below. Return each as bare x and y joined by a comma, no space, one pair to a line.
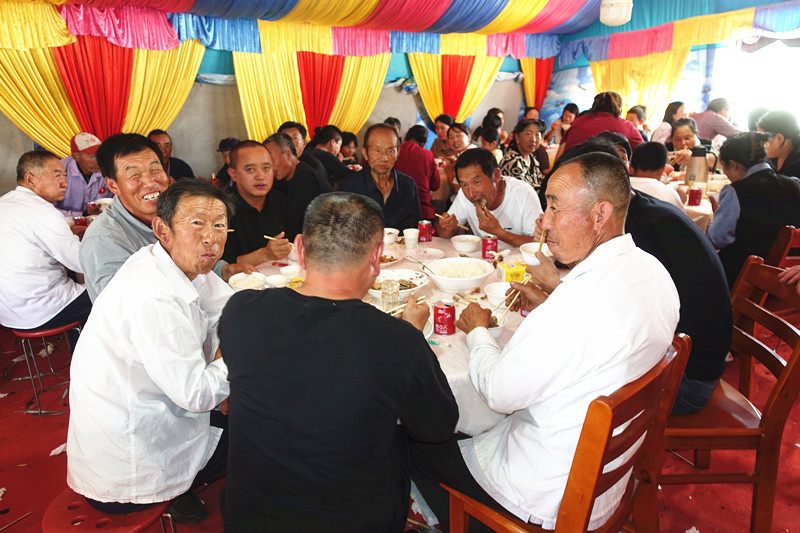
450,283
529,252
243,280
103,203
277,281
496,292
290,271
390,235
496,331
466,243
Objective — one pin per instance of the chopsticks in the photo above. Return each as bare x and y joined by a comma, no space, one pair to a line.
525,281
541,239
459,225
270,238
400,308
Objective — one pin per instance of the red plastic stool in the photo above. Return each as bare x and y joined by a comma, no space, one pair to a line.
30,357
70,512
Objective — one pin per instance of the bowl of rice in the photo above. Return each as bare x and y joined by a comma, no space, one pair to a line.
243,280
457,274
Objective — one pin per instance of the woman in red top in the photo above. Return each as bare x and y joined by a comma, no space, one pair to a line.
603,116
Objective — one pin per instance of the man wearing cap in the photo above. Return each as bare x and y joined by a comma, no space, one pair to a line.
85,184
177,169
225,147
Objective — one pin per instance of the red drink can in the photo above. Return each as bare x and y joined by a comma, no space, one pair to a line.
695,196
489,244
444,318
425,231
80,221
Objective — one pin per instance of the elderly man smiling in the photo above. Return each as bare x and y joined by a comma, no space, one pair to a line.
608,323
144,375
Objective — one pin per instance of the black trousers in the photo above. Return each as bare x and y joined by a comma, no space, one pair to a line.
214,469
76,311
432,464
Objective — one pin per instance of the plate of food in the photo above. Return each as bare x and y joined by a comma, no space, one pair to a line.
390,258
410,280
429,255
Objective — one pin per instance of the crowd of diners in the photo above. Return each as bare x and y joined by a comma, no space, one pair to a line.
294,394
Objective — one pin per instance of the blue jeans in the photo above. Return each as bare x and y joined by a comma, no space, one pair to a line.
693,395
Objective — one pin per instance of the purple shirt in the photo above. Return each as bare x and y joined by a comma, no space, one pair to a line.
79,193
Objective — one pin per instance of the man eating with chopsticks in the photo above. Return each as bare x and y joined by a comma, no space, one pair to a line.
489,203
608,322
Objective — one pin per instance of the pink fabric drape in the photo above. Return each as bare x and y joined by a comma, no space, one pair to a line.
320,80
455,76
168,6
128,26
406,15
97,78
351,41
641,42
506,44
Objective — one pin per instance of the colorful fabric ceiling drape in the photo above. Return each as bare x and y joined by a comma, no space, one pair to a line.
537,79
97,77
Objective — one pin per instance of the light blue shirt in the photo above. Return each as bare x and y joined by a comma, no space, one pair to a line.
722,230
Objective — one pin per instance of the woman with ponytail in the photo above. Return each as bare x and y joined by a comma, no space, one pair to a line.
754,207
784,147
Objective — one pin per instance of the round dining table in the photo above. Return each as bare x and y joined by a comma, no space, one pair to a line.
451,350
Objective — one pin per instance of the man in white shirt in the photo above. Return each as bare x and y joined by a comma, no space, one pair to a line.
38,246
605,324
490,203
647,167
144,375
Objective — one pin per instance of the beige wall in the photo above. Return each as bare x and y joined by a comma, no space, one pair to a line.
212,112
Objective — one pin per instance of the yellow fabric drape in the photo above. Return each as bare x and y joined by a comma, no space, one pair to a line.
528,65
462,44
483,73
269,90
294,37
26,25
710,29
646,80
33,97
332,12
517,13
152,103
362,79
427,70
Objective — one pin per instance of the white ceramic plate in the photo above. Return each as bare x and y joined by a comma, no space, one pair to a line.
419,278
432,254
428,329
393,257
243,280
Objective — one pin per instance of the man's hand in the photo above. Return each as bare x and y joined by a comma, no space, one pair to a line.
280,248
472,317
93,209
530,297
223,407
415,313
487,221
235,268
448,225
545,274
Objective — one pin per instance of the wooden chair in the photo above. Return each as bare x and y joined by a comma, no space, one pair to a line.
643,404
780,254
729,421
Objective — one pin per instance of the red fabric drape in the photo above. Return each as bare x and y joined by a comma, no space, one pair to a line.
320,80
455,77
544,70
97,78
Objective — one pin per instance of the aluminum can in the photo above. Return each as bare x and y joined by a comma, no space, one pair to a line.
425,231
80,221
444,318
489,244
695,196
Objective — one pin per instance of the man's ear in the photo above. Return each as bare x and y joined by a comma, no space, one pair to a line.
112,186
162,231
601,214
375,259
299,245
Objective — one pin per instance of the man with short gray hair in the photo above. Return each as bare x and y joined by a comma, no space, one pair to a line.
318,381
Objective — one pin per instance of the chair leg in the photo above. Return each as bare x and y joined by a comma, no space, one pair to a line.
166,520
702,459
29,358
459,521
764,492
645,510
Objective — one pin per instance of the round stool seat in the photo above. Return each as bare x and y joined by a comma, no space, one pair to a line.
36,333
71,512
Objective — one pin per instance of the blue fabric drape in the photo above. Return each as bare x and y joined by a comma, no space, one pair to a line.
581,20
596,49
541,45
406,43
262,9
233,35
465,16
778,17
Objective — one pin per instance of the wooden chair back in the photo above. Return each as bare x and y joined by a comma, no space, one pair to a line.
636,412
780,255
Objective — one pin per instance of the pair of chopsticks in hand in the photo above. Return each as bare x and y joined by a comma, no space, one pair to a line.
525,281
400,308
459,225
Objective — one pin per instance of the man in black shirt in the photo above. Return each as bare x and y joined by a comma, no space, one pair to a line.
318,382
394,191
259,211
298,181
177,169
297,132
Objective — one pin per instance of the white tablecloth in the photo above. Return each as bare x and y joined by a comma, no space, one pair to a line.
474,415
